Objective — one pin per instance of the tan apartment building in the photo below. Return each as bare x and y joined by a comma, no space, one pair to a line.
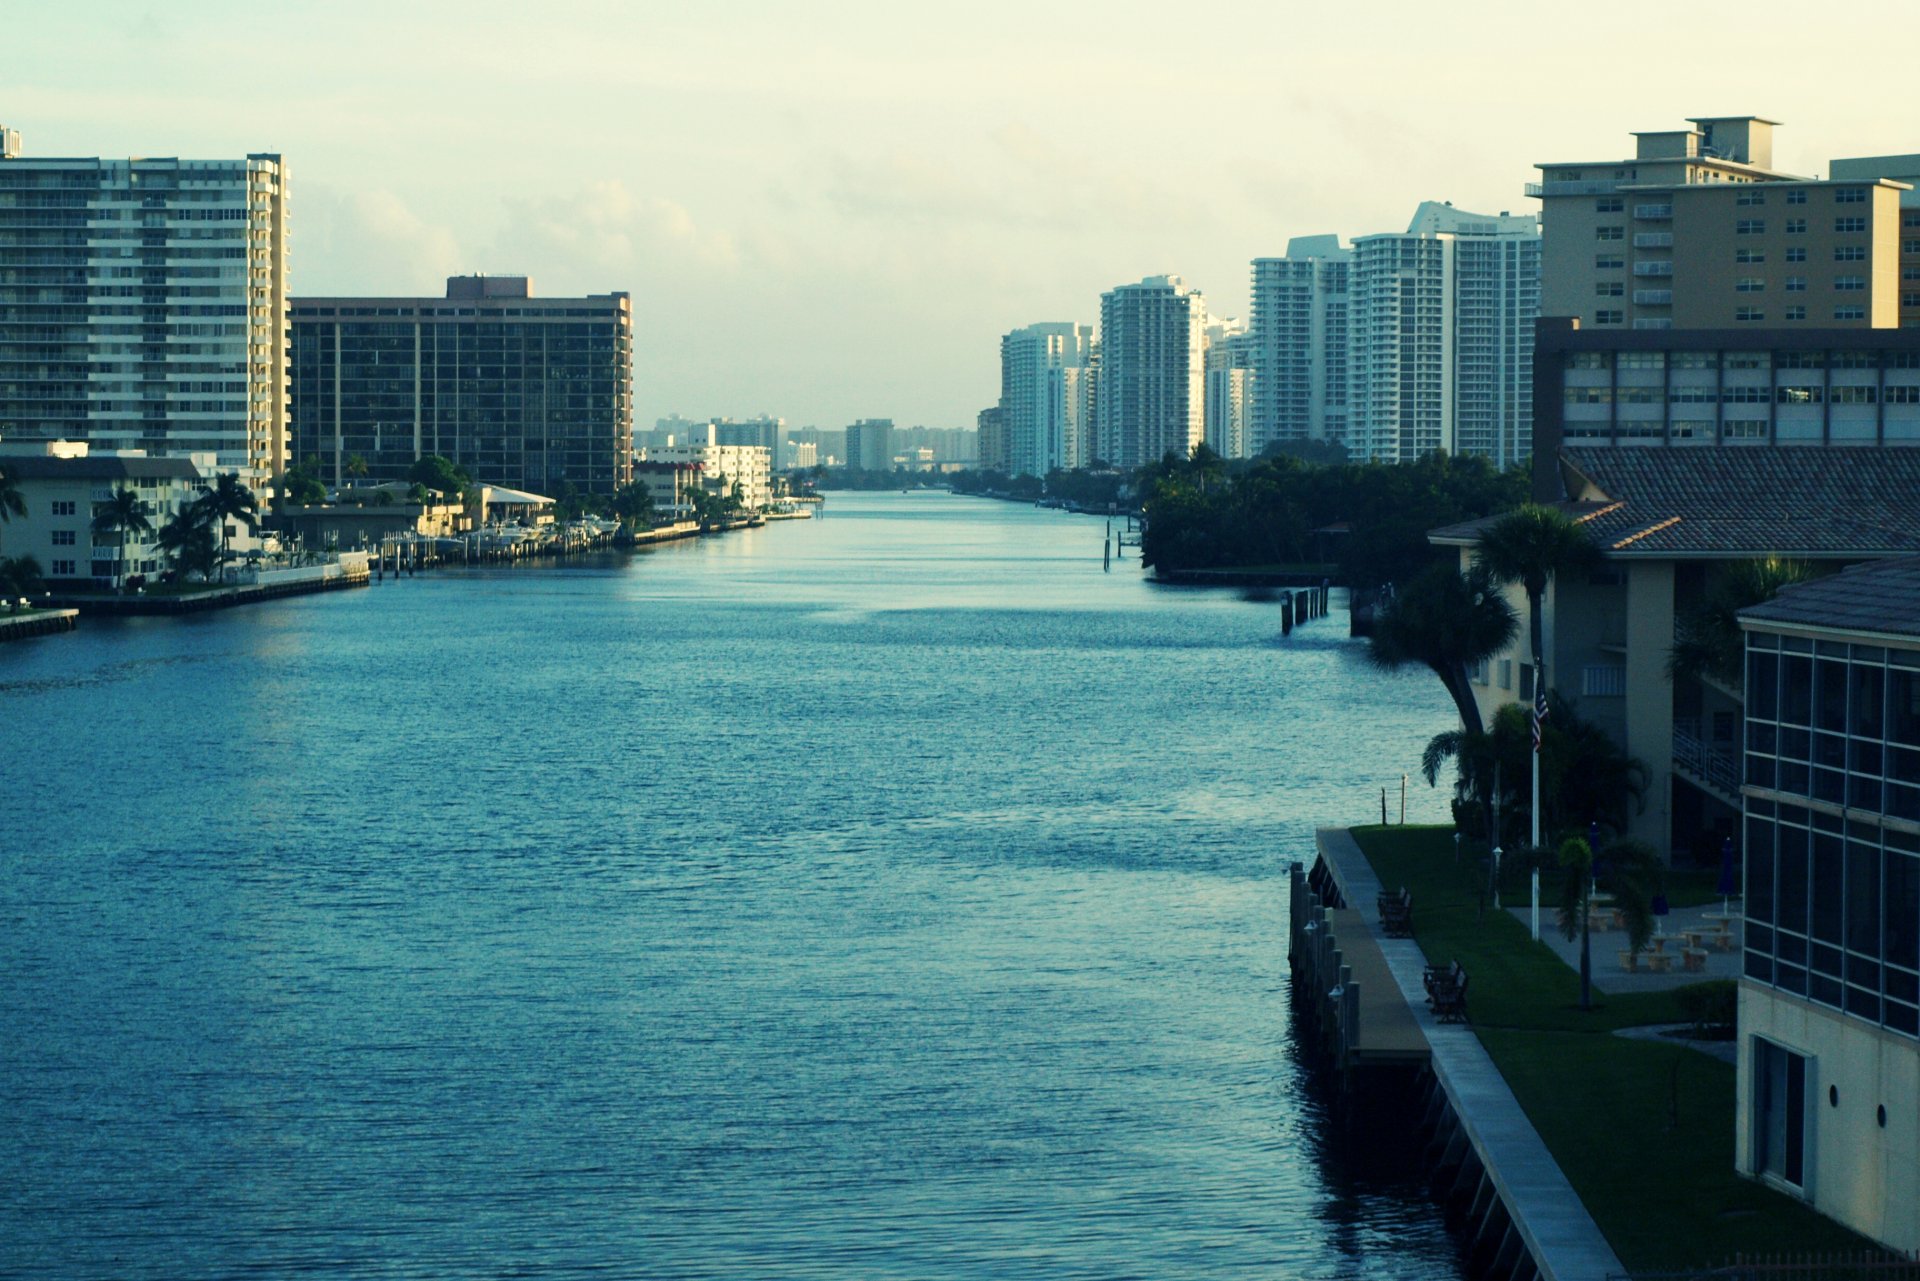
1698,230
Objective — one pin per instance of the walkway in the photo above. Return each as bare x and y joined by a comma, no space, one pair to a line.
1559,1233
1607,945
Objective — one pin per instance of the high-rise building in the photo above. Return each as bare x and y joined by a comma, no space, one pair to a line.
1408,343
992,427
1151,386
1299,339
143,305
765,431
870,444
1046,397
533,393
1698,231
1229,392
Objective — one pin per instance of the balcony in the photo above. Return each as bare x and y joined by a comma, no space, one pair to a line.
1663,268
1653,297
1602,188
1653,240
1653,213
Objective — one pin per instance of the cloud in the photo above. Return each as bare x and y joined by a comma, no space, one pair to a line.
368,242
607,231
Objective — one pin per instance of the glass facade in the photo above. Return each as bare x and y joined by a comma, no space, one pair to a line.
1833,825
533,395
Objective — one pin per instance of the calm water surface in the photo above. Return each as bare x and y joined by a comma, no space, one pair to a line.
892,895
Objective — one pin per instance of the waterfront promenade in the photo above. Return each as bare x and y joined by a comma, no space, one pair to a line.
1564,1241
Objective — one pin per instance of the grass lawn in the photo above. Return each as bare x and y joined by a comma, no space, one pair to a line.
1662,1190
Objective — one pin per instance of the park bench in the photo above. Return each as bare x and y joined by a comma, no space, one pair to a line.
1396,914
1447,993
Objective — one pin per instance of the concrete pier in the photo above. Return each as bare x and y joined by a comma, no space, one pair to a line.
37,622
1519,1214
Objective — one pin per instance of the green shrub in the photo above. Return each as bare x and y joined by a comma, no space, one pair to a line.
1709,1004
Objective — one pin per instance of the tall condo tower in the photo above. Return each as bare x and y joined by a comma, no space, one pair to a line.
1299,340
143,305
1046,397
1151,397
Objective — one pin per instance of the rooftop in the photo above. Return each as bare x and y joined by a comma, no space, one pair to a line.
97,467
1882,598
1720,503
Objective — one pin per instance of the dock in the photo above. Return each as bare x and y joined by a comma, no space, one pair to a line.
37,622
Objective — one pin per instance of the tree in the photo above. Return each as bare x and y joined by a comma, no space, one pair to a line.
1449,622
125,513
228,498
300,486
12,501
20,576
187,539
442,475
1707,638
633,505
356,466
1630,872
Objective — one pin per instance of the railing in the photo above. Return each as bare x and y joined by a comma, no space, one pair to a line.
1653,297
1662,268
1692,754
1853,1265
1653,211
1653,240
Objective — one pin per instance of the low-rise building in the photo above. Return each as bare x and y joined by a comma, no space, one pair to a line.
743,469
61,481
1829,1001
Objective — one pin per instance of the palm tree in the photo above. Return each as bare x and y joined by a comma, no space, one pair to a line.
357,466
125,513
228,497
1707,638
1630,871
12,501
20,576
187,539
1450,622
1530,546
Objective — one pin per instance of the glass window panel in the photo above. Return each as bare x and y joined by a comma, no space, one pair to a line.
1796,692
1830,750
1828,887
1863,898
1762,738
1902,1018
1790,912
1869,696
1759,966
1759,879
1863,793
1763,693
1796,744
1790,978
1863,1004
1829,785
1903,707
1902,875
1759,770
1903,802
1793,778
1791,948
1902,986
1823,988
1866,758
1759,938
1830,695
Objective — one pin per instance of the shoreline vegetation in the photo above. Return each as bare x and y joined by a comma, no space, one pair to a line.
1642,1128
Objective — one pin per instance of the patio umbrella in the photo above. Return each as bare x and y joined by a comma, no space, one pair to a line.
1659,909
1729,875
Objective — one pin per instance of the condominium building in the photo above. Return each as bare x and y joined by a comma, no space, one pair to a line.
745,470
765,431
143,305
59,483
1829,1000
1046,397
1720,387
995,454
531,393
1299,339
870,444
1229,392
1405,344
1697,230
1150,397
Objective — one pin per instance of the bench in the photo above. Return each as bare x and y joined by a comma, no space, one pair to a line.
1396,914
1694,961
1447,993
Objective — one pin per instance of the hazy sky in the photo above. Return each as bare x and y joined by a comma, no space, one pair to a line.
831,211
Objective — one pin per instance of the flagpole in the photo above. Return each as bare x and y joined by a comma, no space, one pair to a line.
1539,701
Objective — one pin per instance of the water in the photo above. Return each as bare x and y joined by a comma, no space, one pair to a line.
892,895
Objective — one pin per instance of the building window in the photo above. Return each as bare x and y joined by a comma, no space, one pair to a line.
63,538
1797,197
1749,255
1609,204
1797,254
1506,673
1749,430
1479,673
1849,284
1903,395
1609,262
1849,313
1794,313
1804,395
62,507
1610,288
1852,222
1589,360
63,569
1750,227
1850,253
1796,226
1749,315
1750,285
1609,317
1779,1113
1603,681
1796,284
1850,196
1751,197
1852,395
1610,233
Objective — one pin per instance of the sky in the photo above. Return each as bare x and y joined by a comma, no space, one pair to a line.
832,211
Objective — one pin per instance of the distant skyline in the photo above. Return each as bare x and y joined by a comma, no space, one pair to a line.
834,212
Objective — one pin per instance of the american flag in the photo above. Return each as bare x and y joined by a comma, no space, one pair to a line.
1539,711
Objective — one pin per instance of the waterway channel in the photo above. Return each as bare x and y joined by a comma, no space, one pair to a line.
894,894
